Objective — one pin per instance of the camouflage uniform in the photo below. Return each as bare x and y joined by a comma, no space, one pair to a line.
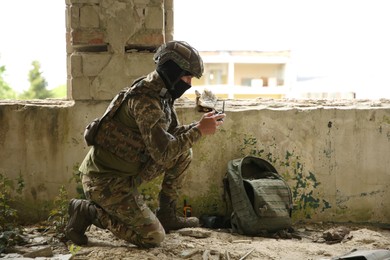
110,180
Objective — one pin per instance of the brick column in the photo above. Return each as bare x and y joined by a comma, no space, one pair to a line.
110,43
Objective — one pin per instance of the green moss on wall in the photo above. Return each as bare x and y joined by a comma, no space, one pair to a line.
209,203
386,119
303,183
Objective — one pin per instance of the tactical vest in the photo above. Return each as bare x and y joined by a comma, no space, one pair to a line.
114,136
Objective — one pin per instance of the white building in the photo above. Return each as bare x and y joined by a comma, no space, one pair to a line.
246,74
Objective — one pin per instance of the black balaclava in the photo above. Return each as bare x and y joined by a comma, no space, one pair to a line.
171,74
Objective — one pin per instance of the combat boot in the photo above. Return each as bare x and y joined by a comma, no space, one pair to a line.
82,213
168,218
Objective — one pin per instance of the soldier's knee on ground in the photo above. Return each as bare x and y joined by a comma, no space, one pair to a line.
147,237
157,237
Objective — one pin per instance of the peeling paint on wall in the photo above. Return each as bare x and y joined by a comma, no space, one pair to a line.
303,183
293,142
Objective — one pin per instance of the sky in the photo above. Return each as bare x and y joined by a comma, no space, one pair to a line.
345,40
323,34
342,38
33,30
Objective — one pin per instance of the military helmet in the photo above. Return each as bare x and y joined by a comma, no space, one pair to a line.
183,54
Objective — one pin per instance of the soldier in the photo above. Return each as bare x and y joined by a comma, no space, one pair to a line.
142,140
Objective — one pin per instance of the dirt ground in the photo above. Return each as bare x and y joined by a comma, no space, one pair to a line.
321,241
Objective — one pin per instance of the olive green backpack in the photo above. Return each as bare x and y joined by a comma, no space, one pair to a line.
258,200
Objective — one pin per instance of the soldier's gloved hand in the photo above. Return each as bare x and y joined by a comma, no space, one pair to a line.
209,123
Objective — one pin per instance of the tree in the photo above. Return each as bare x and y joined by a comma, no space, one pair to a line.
59,92
6,92
38,85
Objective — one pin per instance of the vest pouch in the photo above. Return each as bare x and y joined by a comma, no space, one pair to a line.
120,140
270,199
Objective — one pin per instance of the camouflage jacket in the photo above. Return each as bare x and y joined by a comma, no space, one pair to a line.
150,118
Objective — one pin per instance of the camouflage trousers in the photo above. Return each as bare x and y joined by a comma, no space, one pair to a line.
121,208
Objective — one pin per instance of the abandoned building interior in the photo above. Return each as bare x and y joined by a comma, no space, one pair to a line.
334,154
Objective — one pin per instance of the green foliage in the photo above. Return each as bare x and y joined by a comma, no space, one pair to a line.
10,232
76,177
20,184
208,203
58,216
6,92
59,92
38,85
74,249
8,215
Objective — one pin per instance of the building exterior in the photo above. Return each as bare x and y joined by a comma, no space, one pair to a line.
246,74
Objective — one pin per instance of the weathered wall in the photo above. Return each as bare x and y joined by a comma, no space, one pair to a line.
334,156
110,43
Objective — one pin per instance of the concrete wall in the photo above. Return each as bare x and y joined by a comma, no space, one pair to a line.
333,155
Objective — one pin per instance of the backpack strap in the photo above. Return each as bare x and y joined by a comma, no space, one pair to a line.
228,201
91,129
118,100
